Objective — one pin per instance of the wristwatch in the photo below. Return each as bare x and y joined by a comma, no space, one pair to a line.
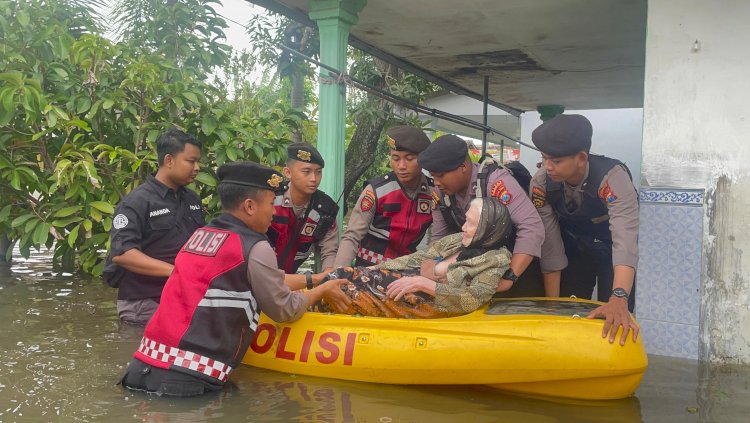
620,293
308,279
509,275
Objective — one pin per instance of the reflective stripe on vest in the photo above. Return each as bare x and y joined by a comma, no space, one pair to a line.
181,358
233,299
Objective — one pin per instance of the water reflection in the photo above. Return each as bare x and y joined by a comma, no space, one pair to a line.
63,350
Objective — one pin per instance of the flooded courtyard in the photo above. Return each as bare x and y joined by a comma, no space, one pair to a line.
64,349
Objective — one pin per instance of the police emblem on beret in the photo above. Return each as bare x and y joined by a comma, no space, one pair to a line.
391,142
424,206
367,201
275,181
500,192
538,197
308,229
304,155
606,194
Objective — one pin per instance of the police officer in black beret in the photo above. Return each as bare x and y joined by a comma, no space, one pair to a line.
394,211
458,181
305,216
589,207
224,276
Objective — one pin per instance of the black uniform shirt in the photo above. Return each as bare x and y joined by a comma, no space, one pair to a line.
156,220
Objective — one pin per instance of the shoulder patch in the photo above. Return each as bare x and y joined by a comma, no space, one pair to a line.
205,242
308,229
120,221
538,197
367,201
606,194
424,205
500,192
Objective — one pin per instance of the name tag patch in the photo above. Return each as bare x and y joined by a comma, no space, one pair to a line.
205,242
158,212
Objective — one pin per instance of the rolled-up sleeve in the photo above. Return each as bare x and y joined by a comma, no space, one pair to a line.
356,229
530,231
553,256
274,298
127,227
439,228
623,217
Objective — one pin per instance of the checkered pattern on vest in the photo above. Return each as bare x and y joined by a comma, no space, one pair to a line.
189,360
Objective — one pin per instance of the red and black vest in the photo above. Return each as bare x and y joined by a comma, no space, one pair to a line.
588,225
208,315
399,223
292,238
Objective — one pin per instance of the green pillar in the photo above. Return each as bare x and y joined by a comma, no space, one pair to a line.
334,18
549,111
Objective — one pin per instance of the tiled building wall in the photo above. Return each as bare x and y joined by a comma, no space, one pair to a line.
669,270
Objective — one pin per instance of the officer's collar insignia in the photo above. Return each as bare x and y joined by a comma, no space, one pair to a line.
391,142
304,155
275,180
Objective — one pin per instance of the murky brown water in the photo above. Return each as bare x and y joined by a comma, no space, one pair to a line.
63,349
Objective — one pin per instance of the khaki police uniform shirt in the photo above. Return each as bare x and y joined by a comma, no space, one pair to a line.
623,218
328,244
267,284
359,223
529,228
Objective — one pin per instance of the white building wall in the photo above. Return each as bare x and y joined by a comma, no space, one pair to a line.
617,134
695,136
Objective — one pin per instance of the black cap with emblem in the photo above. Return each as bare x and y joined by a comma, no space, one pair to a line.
304,152
249,174
563,135
446,153
407,138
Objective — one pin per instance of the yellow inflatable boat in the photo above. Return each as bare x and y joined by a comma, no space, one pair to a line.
529,345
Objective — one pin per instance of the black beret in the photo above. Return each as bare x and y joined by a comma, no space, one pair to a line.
249,174
407,138
304,152
563,135
446,153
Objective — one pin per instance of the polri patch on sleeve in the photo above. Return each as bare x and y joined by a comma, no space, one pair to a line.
367,201
424,206
606,194
435,200
205,242
538,197
500,192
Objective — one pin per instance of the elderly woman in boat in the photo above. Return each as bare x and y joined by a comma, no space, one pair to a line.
468,267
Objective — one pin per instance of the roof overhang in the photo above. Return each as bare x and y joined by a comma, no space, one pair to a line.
580,54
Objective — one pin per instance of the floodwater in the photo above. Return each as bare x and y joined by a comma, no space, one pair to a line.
63,350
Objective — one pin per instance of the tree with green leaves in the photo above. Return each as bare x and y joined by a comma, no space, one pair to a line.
79,114
368,115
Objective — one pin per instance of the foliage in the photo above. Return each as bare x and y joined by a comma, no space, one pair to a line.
79,114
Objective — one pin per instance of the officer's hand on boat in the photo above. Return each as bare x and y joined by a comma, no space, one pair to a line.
616,314
334,295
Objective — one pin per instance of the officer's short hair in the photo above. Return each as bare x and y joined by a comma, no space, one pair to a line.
172,142
232,195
